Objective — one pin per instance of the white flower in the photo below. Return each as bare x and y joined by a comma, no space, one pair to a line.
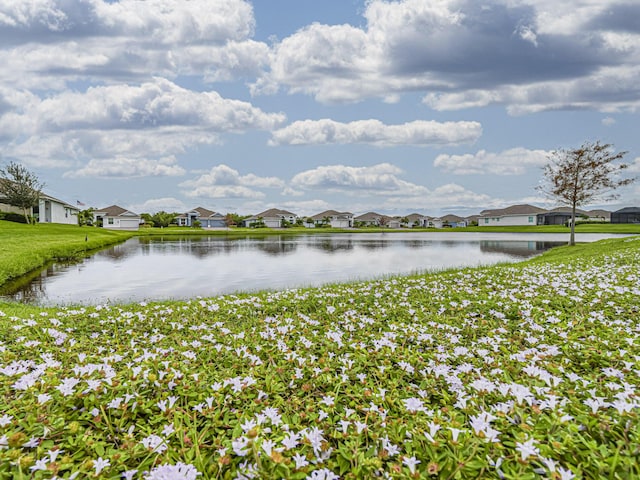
301,461
100,464
155,443
527,449
411,462
413,404
323,474
179,471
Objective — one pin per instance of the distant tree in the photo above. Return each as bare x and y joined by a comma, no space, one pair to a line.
581,175
20,187
148,219
85,217
234,219
163,219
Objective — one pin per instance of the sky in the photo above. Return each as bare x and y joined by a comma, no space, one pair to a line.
428,106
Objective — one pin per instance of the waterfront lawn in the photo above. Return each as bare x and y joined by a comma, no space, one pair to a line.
527,371
24,248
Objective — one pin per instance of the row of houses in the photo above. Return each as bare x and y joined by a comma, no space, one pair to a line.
53,210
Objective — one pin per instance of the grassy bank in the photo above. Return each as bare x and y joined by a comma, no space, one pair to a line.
24,248
520,371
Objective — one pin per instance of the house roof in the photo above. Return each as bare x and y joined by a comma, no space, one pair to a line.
369,216
330,213
62,202
524,209
628,210
599,213
451,218
275,212
116,211
202,212
565,210
415,216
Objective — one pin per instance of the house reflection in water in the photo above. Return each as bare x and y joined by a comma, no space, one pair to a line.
517,248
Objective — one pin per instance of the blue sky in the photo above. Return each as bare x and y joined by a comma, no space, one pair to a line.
430,106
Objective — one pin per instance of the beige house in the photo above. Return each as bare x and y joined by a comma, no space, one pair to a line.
333,218
116,218
272,218
514,215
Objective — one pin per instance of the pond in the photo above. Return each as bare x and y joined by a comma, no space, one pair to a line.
187,267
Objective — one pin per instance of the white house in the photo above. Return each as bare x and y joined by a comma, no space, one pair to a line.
335,219
453,221
417,220
116,218
513,215
271,218
48,210
206,218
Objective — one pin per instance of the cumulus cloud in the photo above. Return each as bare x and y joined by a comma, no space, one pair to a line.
635,166
515,161
374,132
107,124
127,168
223,181
154,205
47,39
465,54
381,179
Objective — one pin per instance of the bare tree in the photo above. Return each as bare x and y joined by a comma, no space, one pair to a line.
579,176
20,187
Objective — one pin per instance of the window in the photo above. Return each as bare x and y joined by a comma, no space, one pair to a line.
530,219
486,220
110,221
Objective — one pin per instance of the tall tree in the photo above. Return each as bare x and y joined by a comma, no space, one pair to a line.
20,187
578,176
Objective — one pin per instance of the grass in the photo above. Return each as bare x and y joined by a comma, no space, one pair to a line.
525,371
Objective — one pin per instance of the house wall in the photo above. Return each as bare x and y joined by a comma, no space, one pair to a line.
54,212
121,223
508,220
341,223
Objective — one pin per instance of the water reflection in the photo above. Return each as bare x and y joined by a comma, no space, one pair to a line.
185,267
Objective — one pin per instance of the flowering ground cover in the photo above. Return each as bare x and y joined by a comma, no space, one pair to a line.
513,371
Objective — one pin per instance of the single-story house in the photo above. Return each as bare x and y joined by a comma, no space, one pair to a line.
562,216
434,222
472,220
626,215
453,221
116,218
48,210
513,215
416,220
373,219
272,218
206,218
333,218
599,215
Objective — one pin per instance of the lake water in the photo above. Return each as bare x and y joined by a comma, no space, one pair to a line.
186,267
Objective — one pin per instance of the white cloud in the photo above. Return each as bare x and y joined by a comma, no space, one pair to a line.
374,132
223,181
634,166
63,41
127,168
154,205
466,54
608,121
105,124
509,162
381,179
